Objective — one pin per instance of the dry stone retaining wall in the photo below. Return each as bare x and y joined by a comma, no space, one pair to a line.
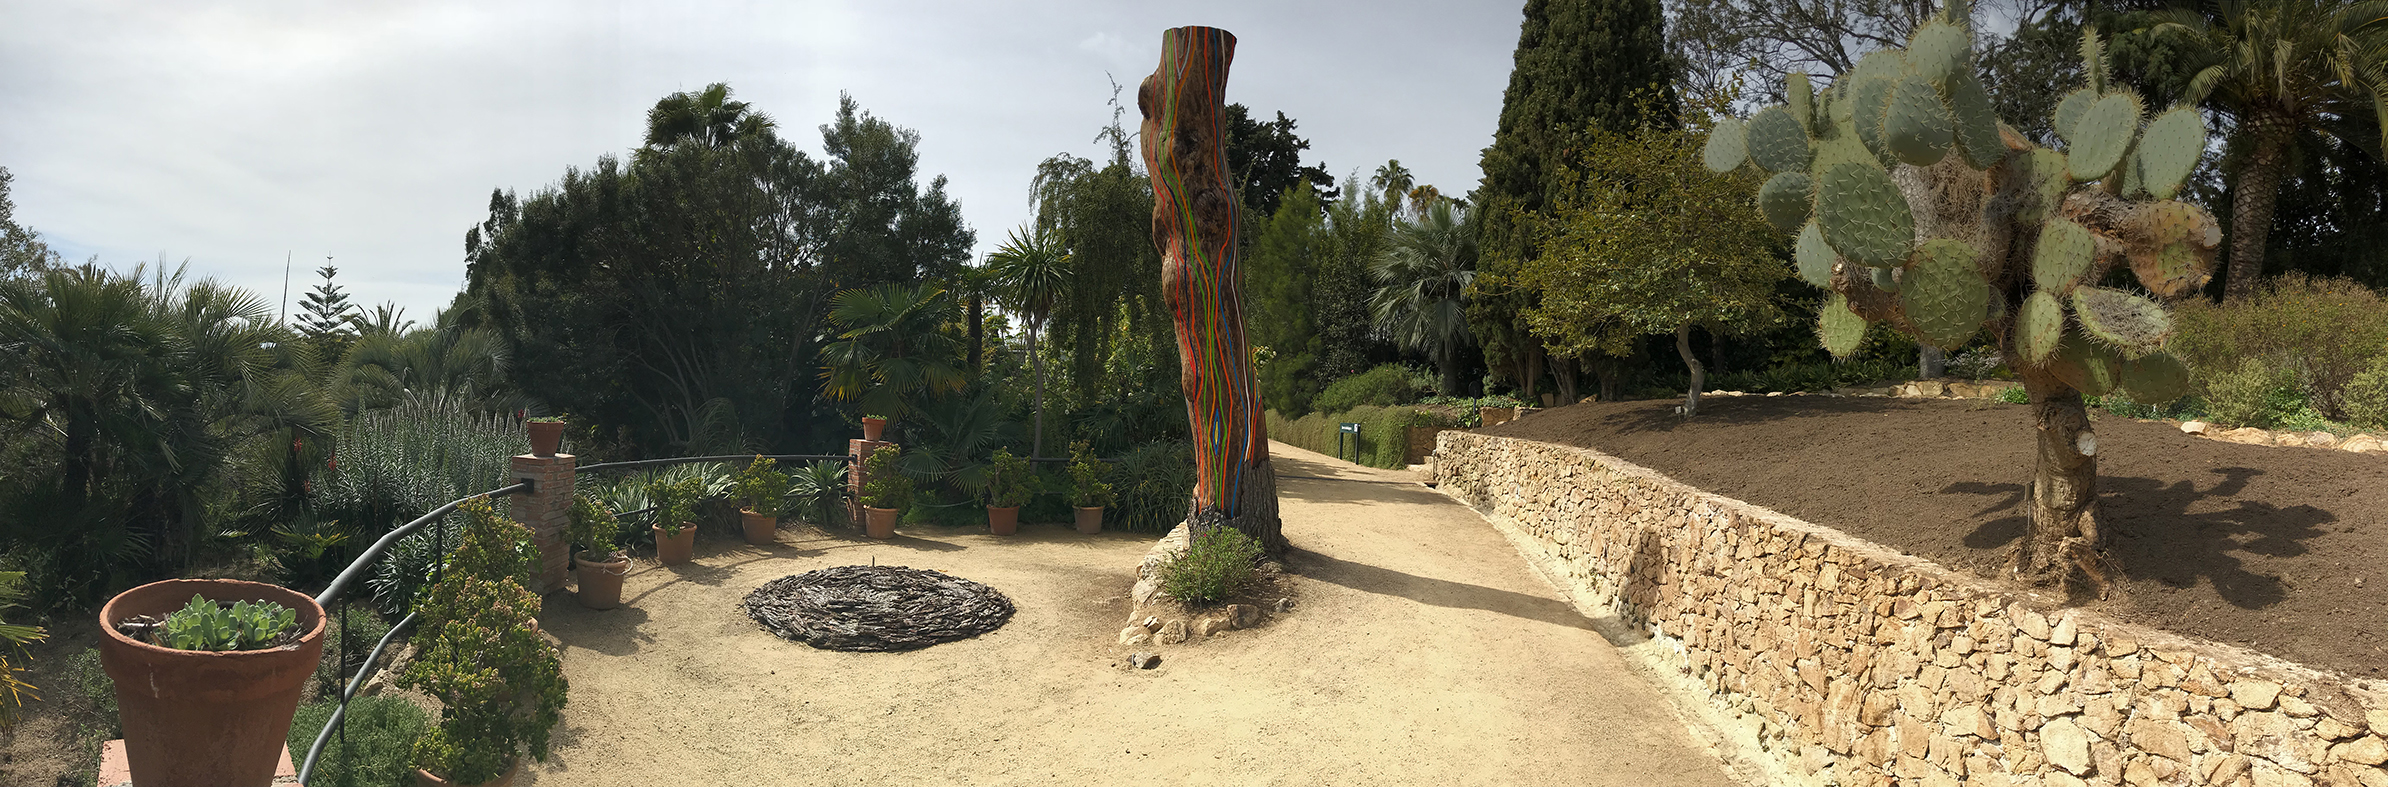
1856,665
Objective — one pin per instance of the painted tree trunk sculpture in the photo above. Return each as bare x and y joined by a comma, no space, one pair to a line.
1194,226
1915,206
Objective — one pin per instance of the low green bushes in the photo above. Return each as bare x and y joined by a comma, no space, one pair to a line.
1213,567
1383,438
2311,336
1384,386
378,750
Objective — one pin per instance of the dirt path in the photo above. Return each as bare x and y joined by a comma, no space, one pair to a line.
1423,652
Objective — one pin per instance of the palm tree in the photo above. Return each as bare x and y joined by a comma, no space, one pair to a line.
1423,277
1032,272
2283,71
464,365
895,341
707,117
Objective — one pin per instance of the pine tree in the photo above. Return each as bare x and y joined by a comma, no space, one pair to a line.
1580,64
329,320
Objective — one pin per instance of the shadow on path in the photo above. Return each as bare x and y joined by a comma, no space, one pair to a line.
1427,590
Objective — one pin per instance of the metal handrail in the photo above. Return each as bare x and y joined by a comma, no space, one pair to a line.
688,460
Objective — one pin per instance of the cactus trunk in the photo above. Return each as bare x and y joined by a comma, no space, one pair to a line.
2063,497
1195,228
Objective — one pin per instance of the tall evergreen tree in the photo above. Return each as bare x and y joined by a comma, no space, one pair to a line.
328,320
1580,64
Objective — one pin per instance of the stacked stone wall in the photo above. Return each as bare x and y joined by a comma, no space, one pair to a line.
1852,664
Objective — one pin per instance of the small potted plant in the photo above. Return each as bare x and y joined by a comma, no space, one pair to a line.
872,427
547,433
600,565
208,673
1088,493
675,518
885,492
501,688
1009,485
762,488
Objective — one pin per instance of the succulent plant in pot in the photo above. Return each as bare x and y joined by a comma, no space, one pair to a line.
675,518
208,674
1009,485
600,564
501,687
873,426
547,434
761,489
1088,492
885,491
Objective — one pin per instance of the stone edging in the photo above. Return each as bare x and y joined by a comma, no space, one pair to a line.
1844,662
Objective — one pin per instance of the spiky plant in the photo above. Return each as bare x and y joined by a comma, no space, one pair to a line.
1914,206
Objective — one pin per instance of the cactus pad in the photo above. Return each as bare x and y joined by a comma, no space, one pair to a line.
1916,127
2155,378
2132,325
2069,112
1884,280
2103,135
2168,150
1815,257
1938,51
2046,180
2039,327
1777,141
1840,329
1943,294
1785,199
1727,148
1803,102
2063,254
1870,99
2085,365
1863,216
1976,121
2173,251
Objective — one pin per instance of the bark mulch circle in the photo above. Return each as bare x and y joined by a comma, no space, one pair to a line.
877,608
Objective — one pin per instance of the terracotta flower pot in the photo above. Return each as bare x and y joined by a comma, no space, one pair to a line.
872,428
425,778
760,529
1003,521
1090,519
674,550
199,717
601,582
545,437
879,522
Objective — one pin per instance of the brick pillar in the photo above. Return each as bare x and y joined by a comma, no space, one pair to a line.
860,450
547,511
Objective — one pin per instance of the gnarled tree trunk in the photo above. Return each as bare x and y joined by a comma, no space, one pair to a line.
1195,228
2063,497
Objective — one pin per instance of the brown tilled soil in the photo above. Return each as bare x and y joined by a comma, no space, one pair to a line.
2282,550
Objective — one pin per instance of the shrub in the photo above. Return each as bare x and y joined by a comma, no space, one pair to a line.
885,485
594,527
1009,483
1383,437
375,749
1384,386
501,687
1214,566
1155,483
817,493
2316,333
761,487
1087,489
676,502
359,629
2366,396
2252,393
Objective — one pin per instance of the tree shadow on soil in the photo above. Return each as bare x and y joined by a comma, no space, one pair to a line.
2157,538
613,632
1436,592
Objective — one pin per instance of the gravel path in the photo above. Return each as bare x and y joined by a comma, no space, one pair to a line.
1424,651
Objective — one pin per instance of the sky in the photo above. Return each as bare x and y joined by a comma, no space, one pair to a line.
234,136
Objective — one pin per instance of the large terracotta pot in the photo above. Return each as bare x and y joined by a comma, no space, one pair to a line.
545,437
1090,519
1003,521
198,717
425,778
872,428
879,522
759,529
601,582
674,550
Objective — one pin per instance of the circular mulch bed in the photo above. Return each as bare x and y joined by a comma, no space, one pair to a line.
877,608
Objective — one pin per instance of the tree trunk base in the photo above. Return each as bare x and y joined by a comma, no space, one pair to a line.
1259,518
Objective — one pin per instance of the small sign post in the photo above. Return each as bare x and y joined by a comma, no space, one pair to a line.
1347,428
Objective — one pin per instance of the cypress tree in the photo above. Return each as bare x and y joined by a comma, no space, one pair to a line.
1580,64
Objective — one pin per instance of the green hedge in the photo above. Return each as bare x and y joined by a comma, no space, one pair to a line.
1383,436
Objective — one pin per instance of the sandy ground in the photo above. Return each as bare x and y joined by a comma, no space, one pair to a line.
1424,651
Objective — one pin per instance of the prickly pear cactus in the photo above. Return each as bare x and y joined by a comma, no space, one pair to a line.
1917,208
